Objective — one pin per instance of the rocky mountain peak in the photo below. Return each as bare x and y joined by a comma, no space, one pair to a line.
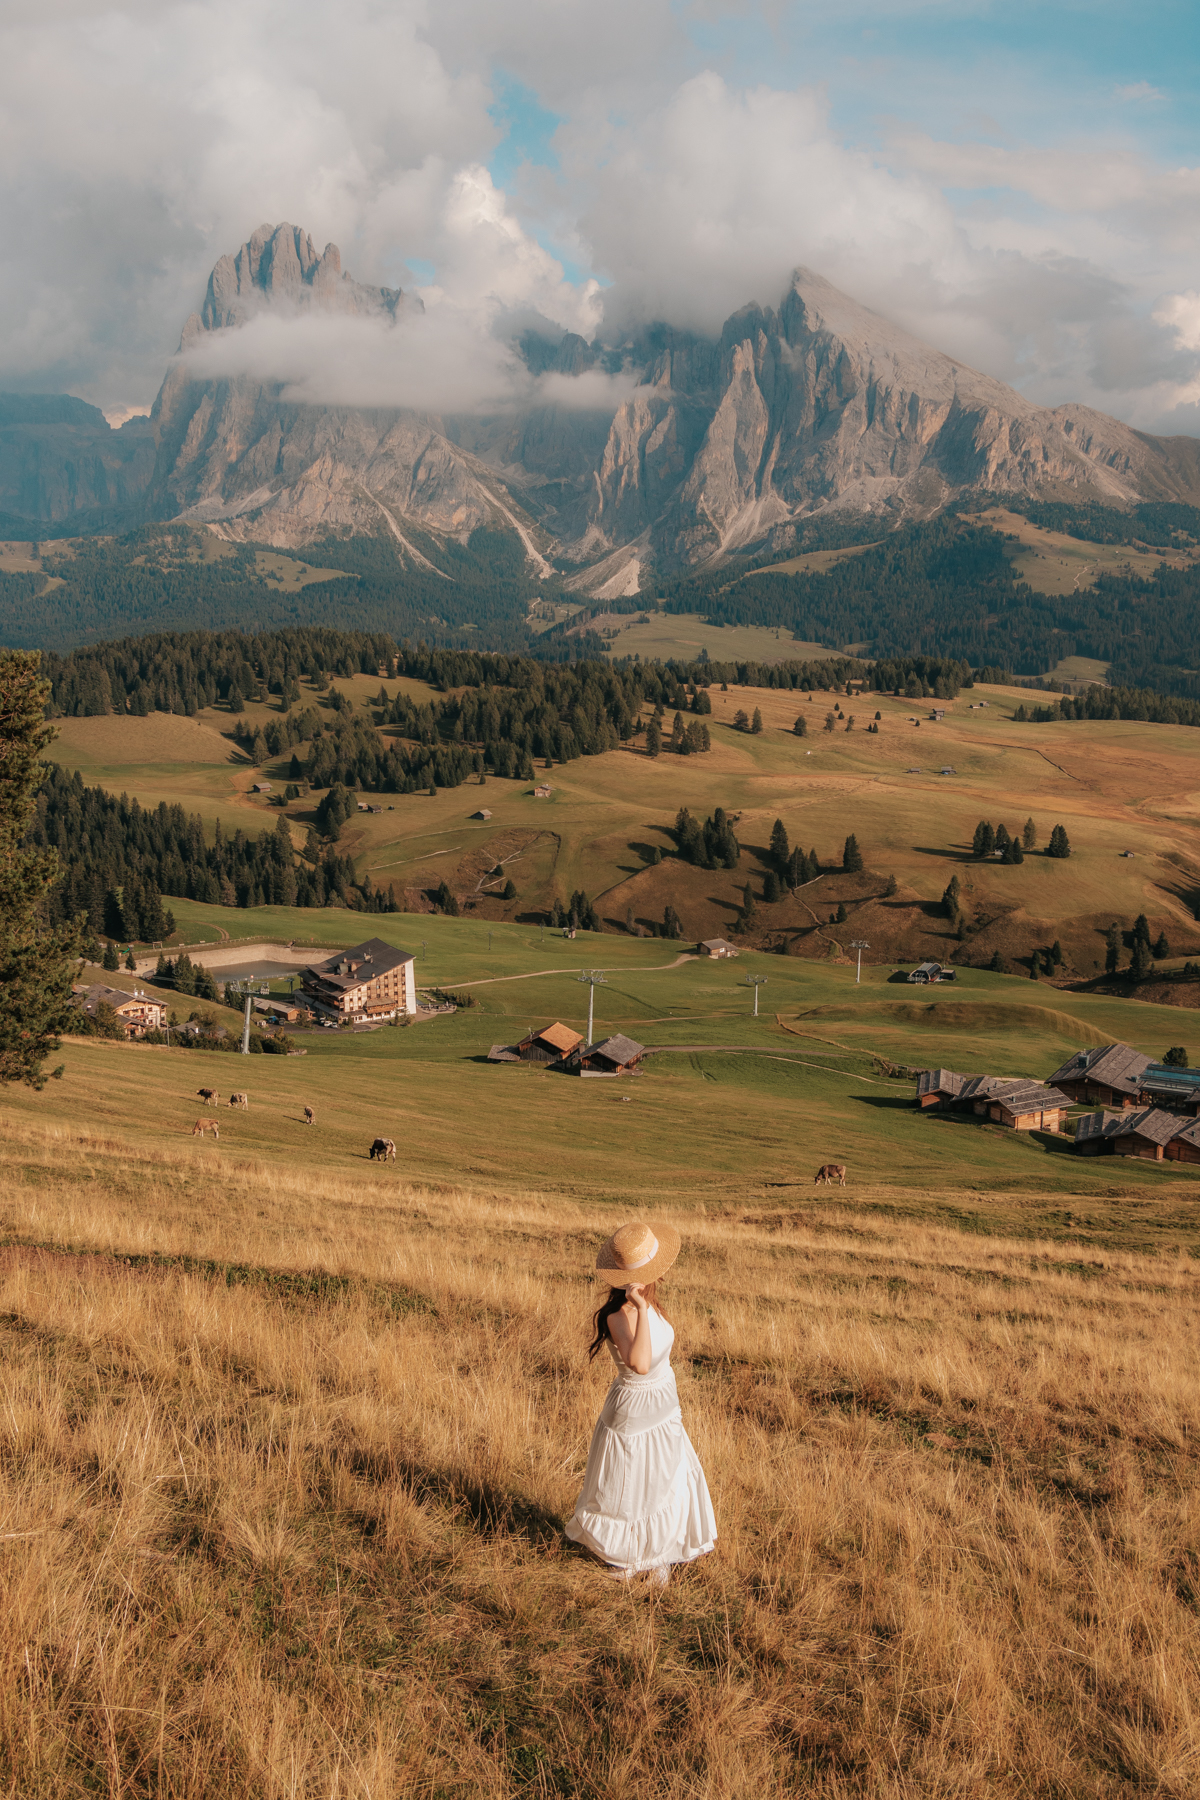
278,266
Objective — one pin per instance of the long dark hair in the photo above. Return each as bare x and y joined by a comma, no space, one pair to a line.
614,1303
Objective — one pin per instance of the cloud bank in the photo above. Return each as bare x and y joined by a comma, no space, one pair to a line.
698,157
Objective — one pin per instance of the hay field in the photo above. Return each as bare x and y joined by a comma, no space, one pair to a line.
288,1452
684,635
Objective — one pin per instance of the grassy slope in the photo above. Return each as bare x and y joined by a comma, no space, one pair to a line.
1114,785
1053,563
703,1124
288,1444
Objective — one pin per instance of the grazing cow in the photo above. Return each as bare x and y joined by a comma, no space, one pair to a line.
204,1125
310,1117
242,1100
831,1172
209,1096
383,1147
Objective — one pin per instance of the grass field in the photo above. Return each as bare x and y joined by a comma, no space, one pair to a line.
1053,563
1116,786
685,635
290,1438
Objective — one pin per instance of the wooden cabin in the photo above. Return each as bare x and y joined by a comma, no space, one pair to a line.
716,947
1146,1133
1010,1100
1108,1075
552,1044
938,1087
615,1055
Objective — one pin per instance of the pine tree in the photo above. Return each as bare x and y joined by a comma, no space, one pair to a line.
800,728
891,888
1056,954
950,901
653,738
1141,930
756,723
1176,1057
997,964
1112,949
741,720
130,964
1002,839
1029,835
781,850
840,918
830,721
984,841
672,925
678,734
510,892
111,960
1035,965
1141,963
1162,948
796,870
852,861
445,900
770,887
1059,844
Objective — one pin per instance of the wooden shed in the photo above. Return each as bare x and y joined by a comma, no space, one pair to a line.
615,1055
1146,1133
716,947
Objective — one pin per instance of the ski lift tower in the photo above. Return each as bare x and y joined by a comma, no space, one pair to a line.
859,944
755,982
594,978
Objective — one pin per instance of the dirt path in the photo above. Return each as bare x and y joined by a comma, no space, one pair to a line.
532,975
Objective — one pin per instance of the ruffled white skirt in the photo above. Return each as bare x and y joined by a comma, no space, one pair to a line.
645,1502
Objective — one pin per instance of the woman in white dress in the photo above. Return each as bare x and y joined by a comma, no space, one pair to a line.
645,1502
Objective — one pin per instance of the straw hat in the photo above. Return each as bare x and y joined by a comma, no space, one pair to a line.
638,1253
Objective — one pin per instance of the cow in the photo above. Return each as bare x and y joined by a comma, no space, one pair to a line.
242,1100
205,1125
209,1096
831,1172
310,1117
383,1148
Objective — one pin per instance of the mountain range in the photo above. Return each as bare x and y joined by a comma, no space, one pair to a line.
722,445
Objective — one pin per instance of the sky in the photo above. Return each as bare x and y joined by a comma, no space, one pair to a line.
1017,184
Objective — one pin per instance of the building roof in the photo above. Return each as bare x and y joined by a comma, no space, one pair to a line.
1158,1078
502,1053
718,947
1030,1096
618,1049
1190,1133
559,1036
939,1081
1156,1126
364,962
1112,1065
98,994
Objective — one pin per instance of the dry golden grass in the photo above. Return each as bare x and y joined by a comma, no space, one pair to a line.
288,1521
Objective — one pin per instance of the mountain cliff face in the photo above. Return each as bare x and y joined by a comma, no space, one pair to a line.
721,445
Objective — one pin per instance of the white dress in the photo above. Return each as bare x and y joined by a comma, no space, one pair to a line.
645,1502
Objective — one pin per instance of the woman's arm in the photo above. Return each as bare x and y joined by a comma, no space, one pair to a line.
629,1330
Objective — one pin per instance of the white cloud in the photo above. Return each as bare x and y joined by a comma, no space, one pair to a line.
141,139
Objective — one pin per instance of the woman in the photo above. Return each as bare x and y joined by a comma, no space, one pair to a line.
645,1502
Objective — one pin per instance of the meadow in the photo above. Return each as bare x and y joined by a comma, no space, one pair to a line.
288,1441
1126,792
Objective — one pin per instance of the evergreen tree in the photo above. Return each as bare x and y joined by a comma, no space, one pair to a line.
741,720
653,738
1176,1057
1162,948
1002,839
830,721
1141,963
1141,930
840,918
510,892
781,850
852,861
800,728
1112,949
114,917
445,900
111,960
997,964
1029,835
756,723
891,888
1059,844
672,925
130,964
950,901
796,869
1056,954
678,734
984,841
813,866
770,888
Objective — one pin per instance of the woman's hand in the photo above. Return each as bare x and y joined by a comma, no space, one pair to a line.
637,1293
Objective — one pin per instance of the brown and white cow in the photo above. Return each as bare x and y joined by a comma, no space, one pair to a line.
242,1100
209,1096
202,1126
383,1148
831,1172
310,1117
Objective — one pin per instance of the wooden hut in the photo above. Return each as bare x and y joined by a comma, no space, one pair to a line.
1144,1133
615,1055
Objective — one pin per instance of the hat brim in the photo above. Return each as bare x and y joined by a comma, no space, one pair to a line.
669,1242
